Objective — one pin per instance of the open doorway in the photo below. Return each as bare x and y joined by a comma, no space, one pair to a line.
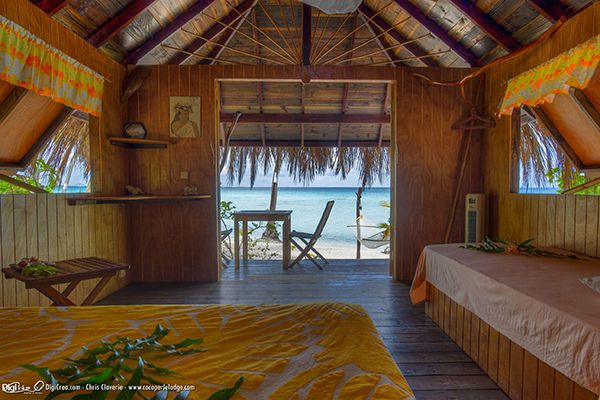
296,146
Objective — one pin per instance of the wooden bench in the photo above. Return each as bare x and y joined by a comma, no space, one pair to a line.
72,272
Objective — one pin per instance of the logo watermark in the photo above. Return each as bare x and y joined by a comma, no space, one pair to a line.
19,388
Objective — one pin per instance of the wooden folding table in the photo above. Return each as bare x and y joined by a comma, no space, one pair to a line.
71,272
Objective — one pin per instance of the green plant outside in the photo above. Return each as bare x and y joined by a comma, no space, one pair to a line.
555,177
39,169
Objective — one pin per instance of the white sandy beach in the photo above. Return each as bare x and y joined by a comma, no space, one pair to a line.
273,250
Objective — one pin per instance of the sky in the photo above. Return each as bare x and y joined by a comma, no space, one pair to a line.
285,180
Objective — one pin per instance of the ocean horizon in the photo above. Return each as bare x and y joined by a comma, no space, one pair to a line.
307,205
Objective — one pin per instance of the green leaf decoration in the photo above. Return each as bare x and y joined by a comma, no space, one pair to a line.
121,362
227,393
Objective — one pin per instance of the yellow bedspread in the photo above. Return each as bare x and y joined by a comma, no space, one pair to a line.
306,351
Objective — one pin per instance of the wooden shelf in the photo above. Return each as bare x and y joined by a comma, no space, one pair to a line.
139,143
80,201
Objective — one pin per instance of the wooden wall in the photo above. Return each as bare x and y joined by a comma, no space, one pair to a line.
44,225
569,222
426,163
518,372
176,242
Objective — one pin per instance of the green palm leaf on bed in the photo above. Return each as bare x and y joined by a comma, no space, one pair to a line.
121,363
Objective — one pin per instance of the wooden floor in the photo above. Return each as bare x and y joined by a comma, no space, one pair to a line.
433,365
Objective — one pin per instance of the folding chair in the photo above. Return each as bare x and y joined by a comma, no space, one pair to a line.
305,242
225,233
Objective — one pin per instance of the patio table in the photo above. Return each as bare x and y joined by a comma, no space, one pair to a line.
245,216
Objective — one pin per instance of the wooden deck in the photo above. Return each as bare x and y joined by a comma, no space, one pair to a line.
434,366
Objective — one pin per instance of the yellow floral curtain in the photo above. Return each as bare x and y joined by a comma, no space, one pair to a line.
573,68
29,62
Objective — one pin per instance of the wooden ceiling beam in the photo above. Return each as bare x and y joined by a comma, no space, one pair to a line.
439,32
377,23
307,118
230,19
166,32
306,33
487,24
118,22
51,7
308,143
16,95
552,10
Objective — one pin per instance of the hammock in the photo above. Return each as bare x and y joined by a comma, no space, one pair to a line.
370,236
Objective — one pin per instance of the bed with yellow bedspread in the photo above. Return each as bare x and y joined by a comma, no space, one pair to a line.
305,351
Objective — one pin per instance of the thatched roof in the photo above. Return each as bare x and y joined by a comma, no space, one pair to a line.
304,164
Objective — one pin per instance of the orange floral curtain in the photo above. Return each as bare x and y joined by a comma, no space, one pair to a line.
573,68
29,62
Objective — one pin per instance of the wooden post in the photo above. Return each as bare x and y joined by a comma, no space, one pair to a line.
358,212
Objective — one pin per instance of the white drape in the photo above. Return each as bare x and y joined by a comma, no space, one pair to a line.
334,6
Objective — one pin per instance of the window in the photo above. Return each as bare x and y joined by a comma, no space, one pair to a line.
62,163
542,160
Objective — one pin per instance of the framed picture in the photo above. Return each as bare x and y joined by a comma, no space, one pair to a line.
184,117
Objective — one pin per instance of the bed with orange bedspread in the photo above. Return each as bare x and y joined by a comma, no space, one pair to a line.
306,351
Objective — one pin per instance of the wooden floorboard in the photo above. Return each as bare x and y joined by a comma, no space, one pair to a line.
434,366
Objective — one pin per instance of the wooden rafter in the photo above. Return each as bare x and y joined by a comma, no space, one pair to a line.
346,89
386,110
560,140
586,107
308,118
487,24
306,33
439,32
51,7
213,31
302,100
166,32
552,10
118,22
286,54
308,143
379,24
328,49
21,184
16,95
583,186
277,29
259,85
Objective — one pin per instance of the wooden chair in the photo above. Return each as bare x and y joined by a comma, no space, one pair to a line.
308,241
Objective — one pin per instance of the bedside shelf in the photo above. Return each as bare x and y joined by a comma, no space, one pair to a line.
80,201
139,143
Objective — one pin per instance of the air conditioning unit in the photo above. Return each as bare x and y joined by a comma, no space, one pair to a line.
475,229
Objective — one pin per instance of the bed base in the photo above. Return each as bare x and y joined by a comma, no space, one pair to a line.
517,372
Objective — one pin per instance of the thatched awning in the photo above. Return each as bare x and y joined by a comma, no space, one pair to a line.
304,164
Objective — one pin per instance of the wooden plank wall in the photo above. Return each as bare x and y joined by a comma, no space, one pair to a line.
427,156
569,222
176,242
43,225
518,373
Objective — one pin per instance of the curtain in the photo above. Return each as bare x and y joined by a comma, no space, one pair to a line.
29,62
334,6
573,68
